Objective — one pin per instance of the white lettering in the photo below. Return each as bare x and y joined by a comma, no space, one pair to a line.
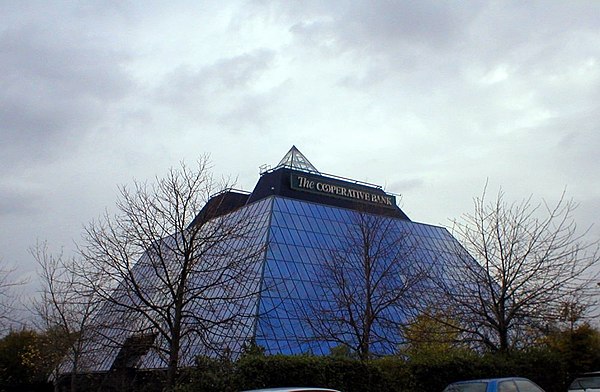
349,193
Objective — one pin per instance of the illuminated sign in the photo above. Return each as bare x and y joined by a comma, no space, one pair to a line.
321,186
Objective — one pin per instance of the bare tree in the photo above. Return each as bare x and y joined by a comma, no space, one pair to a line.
371,282
65,308
181,279
9,298
524,261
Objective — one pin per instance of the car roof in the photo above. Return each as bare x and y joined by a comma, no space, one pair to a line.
291,389
596,373
489,380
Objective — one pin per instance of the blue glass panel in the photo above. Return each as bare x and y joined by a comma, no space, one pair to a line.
299,223
308,231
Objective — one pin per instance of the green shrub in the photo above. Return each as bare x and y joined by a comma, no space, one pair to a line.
389,374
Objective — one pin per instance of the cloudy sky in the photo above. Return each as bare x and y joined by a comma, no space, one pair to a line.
430,99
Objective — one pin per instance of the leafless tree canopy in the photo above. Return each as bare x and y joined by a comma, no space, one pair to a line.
530,259
370,281
163,277
8,297
65,308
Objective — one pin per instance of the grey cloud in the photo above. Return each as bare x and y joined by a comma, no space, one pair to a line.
250,109
221,92
404,185
394,25
17,203
383,25
577,140
589,207
55,84
221,76
436,49
433,42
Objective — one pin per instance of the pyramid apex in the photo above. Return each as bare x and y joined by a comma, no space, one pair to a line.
294,159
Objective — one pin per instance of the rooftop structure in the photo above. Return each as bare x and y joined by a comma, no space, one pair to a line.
295,160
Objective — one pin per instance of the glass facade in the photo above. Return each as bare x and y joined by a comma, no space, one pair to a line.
293,264
301,237
281,289
221,295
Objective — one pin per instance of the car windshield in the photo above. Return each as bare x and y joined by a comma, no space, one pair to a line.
527,386
467,387
585,383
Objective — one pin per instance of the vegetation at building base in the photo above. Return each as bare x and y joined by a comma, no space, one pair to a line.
386,374
25,364
578,347
550,364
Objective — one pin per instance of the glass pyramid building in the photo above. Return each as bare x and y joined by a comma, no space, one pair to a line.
298,216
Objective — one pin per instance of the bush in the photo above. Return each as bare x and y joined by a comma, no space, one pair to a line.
337,373
23,364
389,374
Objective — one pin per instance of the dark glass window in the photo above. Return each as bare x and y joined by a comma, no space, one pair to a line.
528,386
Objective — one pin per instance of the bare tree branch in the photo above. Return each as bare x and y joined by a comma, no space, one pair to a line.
371,281
164,272
9,298
529,258
65,309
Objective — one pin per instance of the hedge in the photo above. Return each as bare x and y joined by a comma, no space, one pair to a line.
390,374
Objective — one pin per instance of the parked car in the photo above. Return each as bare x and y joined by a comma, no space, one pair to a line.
587,382
293,389
507,384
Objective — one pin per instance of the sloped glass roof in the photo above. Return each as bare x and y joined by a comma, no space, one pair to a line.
291,237
300,235
208,303
294,159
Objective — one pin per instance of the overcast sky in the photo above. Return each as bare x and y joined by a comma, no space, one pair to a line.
428,98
